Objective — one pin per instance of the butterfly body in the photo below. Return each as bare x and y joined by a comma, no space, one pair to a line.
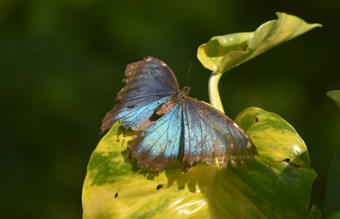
172,101
173,125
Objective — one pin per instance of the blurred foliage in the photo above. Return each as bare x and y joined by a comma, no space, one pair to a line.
334,95
62,63
332,207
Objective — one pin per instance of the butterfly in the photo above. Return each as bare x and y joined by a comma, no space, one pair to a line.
173,126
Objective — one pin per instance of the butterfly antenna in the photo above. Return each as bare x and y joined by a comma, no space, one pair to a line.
188,79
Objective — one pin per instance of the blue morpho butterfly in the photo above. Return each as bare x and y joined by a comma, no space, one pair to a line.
173,125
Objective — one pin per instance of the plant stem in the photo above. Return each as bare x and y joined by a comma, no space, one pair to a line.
214,95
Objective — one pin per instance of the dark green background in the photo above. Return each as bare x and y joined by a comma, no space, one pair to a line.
62,62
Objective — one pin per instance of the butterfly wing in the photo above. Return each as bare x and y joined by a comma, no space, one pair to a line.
149,83
210,134
193,131
160,144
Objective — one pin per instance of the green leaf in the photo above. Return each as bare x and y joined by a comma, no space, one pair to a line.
223,53
115,188
274,138
334,95
332,206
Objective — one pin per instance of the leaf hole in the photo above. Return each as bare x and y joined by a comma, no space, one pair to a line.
159,186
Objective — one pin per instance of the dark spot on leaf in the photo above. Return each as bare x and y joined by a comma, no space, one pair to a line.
257,119
116,195
159,187
245,48
287,160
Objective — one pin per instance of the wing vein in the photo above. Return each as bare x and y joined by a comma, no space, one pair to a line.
199,115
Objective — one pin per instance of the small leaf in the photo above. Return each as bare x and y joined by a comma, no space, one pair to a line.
223,53
332,206
275,139
334,95
115,188
211,53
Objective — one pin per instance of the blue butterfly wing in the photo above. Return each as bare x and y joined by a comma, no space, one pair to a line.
210,134
160,144
149,83
193,131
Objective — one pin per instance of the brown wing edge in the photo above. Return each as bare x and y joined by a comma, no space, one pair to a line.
131,70
152,164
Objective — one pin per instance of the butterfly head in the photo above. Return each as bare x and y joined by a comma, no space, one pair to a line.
180,95
185,91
